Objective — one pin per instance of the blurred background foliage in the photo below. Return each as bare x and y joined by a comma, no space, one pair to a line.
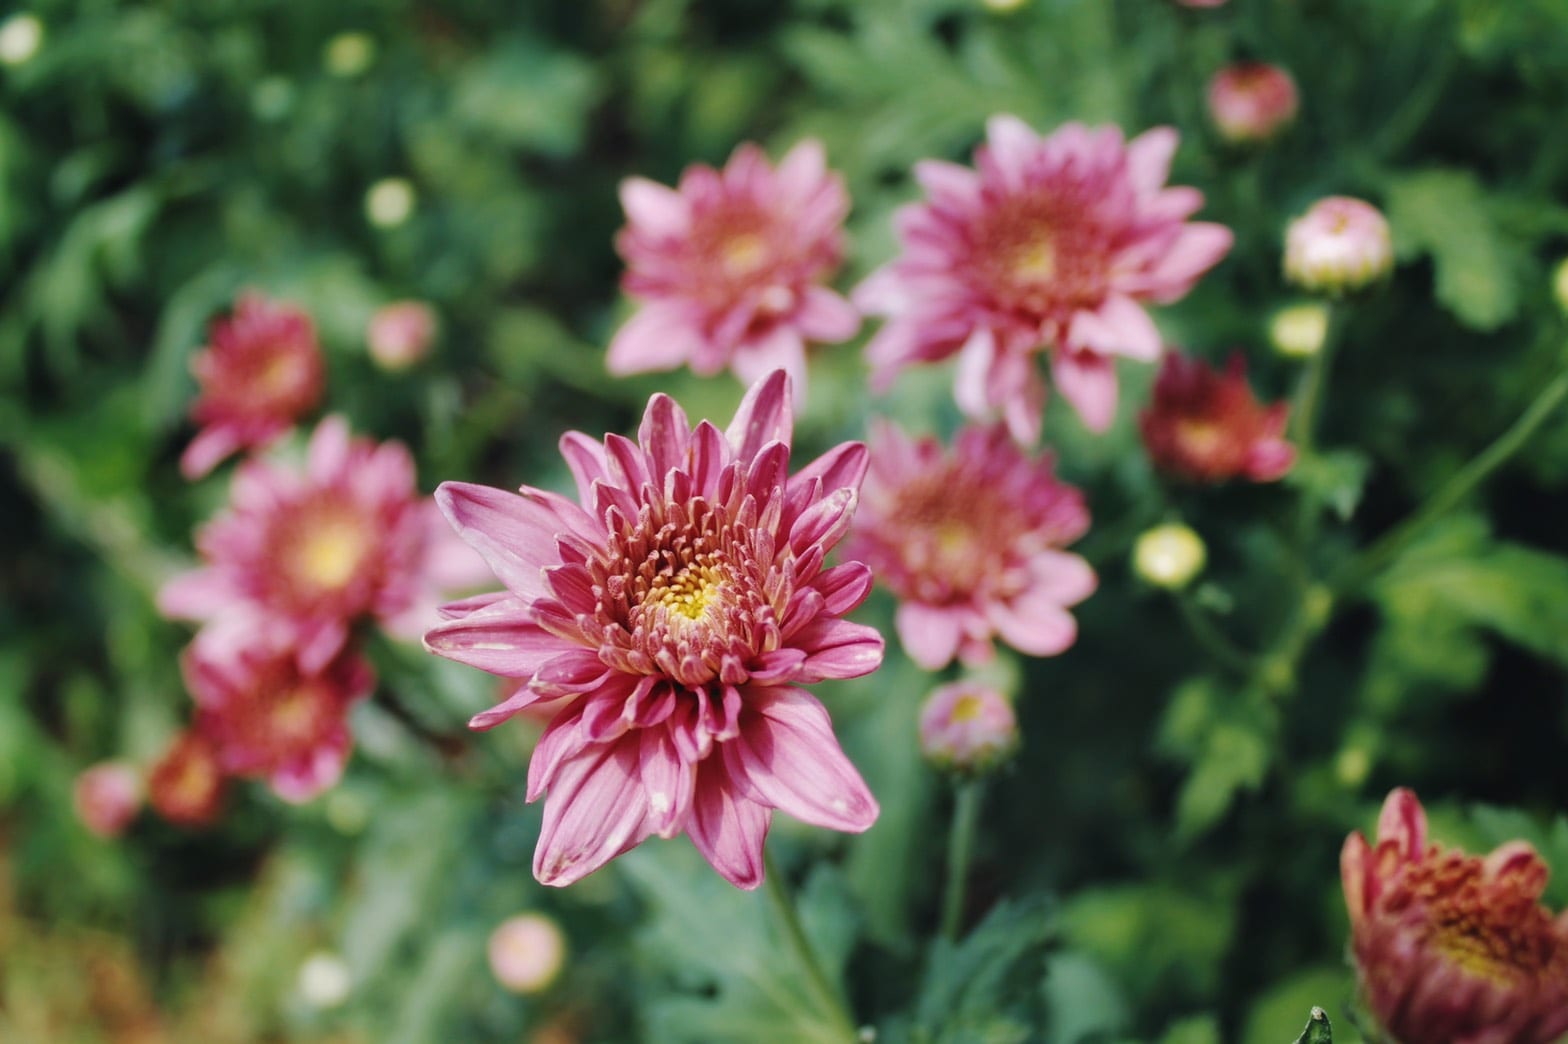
1160,866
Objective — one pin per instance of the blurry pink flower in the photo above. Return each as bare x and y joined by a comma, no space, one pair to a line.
347,538
678,608
1050,246
1201,3
1340,244
186,785
526,952
969,542
728,267
262,715
107,797
967,727
400,334
261,373
1452,947
1204,426
1252,101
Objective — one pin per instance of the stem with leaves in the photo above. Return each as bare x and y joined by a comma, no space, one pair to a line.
828,999
960,846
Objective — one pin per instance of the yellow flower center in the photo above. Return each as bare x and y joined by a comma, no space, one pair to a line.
293,716
329,551
743,253
967,708
1035,261
690,592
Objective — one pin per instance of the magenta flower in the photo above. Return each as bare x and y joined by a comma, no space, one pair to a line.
264,717
1051,246
186,785
262,372
729,267
970,543
346,538
1206,426
400,334
107,797
1453,947
678,608
1341,244
1251,102
967,727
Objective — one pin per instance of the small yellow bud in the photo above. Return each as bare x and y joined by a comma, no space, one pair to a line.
1169,555
1299,330
20,37
389,202
1560,284
349,54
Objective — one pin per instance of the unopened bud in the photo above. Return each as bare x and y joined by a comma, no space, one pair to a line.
20,37
1560,284
1339,245
389,202
1169,555
527,952
324,980
1251,102
349,54
400,334
968,727
1299,330
107,797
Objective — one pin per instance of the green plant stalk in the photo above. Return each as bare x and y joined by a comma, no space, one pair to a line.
832,1005
960,847
1370,562
1208,635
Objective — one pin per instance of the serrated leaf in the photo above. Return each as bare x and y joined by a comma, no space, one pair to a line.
986,986
1444,213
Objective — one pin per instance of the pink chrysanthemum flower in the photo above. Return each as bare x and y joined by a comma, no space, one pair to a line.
678,608
347,537
1340,245
968,727
970,543
261,373
186,785
107,797
1252,101
1207,426
1050,246
262,715
1452,947
729,267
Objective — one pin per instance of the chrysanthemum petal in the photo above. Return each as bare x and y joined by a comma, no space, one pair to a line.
597,811
788,758
728,829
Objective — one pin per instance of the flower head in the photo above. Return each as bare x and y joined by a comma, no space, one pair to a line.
345,538
1339,245
970,543
967,727
107,797
729,266
400,334
1205,426
1252,101
264,717
262,372
186,785
1453,947
527,952
1169,555
676,608
1050,246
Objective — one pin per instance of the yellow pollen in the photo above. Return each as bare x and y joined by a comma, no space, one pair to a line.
1035,262
329,553
967,708
279,375
293,715
690,592
1200,437
743,254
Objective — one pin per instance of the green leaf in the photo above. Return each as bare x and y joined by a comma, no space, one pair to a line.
1226,737
1329,986
1445,214
985,988
1318,1030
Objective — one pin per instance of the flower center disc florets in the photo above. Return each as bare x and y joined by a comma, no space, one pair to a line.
1042,257
958,535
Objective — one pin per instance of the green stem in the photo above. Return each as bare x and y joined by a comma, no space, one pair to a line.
1211,637
1367,565
827,997
960,846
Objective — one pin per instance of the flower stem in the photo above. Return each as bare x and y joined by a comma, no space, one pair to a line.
1215,641
960,846
1367,565
827,997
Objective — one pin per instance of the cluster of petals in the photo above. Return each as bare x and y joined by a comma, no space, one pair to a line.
1252,101
261,372
728,267
1206,426
1341,244
674,609
1453,947
967,727
1049,246
970,541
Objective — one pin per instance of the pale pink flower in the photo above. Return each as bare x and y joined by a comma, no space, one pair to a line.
323,547
967,727
527,952
678,607
1452,947
262,715
728,267
970,542
186,785
107,797
1252,101
1206,426
400,334
262,372
1051,246
1339,245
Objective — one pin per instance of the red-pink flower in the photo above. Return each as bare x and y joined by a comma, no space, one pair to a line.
1252,101
262,715
1452,947
261,373
970,542
729,266
1204,426
107,797
347,537
1052,245
186,785
677,608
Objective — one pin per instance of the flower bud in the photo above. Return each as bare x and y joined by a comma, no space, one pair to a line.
20,37
107,797
1339,245
527,952
400,334
1251,102
1560,284
389,202
186,785
1299,330
324,980
1004,6
1169,555
968,727
349,54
